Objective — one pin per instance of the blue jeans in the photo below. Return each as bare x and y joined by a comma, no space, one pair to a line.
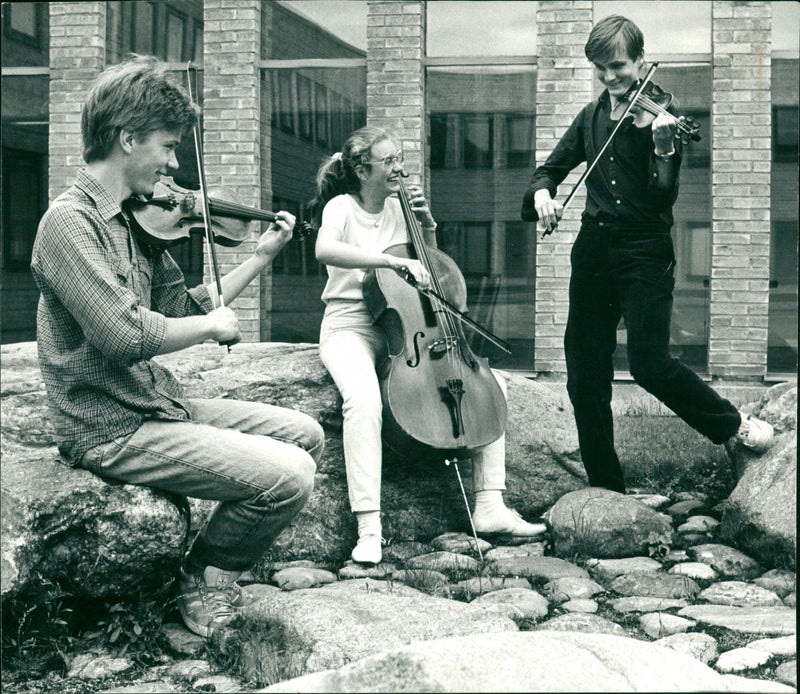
257,460
628,272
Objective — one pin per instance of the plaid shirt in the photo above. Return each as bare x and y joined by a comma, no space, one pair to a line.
102,318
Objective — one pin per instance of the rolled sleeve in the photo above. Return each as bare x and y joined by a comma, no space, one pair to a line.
170,295
95,287
154,332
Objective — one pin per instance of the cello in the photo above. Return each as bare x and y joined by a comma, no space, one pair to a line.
439,398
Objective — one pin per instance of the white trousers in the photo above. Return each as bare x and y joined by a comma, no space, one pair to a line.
352,348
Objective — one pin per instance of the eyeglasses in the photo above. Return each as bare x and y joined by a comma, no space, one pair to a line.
390,161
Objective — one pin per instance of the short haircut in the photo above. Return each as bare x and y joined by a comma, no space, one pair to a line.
611,34
137,95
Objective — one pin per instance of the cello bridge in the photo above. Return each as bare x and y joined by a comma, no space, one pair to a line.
438,348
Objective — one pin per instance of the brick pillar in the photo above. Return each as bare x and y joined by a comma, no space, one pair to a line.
396,76
232,129
563,88
77,56
740,189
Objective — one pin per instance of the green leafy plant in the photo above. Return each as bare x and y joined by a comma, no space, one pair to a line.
131,626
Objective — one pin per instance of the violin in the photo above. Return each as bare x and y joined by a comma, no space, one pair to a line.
650,103
172,213
644,101
439,398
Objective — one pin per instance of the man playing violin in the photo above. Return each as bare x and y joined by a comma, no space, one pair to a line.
109,304
623,261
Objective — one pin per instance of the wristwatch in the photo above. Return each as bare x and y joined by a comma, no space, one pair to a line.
666,156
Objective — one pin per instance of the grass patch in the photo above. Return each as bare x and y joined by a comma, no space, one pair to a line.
770,551
664,455
261,653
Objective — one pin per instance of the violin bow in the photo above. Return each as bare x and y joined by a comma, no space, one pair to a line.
201,173
453,311
596,159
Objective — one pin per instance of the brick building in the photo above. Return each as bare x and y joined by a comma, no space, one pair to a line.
282,84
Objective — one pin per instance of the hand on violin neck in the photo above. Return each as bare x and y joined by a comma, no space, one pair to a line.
420,207
277,235
664,128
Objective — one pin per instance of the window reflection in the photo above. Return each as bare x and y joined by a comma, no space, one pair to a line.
481,128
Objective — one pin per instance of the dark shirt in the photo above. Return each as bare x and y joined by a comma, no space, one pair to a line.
101,318
628,185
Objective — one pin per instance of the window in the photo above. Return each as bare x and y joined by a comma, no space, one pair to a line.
697,154
141,40
23,179
438,132
462,140
285,101
784,133
518,256
783,252
305,108
478,133
468,244
296,257
321,115
519,140
697,250
23,19
176,30
337,126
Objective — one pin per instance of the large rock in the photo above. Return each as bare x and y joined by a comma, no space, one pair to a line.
541,661
343,622
761,513
600,523
62,522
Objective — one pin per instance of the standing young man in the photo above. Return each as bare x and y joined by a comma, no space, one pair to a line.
623,262
109,304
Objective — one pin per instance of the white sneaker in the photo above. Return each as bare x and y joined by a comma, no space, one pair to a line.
368,550
754,434
505,521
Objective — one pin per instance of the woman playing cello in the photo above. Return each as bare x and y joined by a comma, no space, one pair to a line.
361,216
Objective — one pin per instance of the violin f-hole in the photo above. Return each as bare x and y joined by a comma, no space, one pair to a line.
414,362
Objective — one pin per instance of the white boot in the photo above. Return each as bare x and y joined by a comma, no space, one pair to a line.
368,549
492,517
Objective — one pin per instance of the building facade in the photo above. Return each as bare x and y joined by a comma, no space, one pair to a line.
282,86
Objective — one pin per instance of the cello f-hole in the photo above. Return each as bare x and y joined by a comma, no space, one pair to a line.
414,362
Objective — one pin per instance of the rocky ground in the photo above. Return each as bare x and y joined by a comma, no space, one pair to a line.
634,592
693,597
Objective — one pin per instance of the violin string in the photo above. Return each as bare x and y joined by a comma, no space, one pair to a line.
654,107
443,317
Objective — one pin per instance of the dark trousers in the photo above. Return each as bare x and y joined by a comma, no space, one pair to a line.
629,273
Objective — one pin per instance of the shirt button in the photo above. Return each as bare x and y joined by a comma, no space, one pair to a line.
611,158
619,202
613,183
655,175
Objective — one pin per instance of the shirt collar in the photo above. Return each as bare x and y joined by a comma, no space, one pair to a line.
105,203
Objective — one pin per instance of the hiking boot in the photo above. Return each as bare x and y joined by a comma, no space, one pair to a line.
754,434
368,550
505,521
208,600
